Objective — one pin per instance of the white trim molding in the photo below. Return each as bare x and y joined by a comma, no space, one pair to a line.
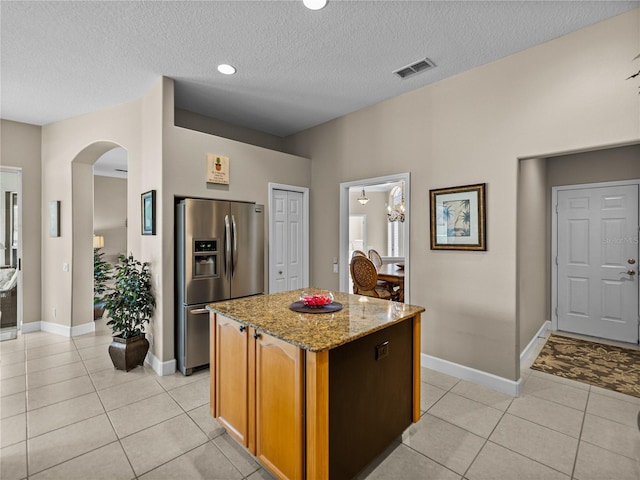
489,380
160,367
344,259
62,330
30,327
535,341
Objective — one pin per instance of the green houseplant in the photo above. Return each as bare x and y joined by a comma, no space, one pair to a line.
101,275
130,304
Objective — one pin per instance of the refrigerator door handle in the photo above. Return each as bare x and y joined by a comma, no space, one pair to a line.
199,311
227,246
234,256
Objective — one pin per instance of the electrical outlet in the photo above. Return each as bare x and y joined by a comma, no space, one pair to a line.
382,350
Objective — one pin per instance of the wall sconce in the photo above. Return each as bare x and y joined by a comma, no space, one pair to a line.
363,198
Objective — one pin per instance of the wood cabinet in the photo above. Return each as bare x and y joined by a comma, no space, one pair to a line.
279,406
231,377
320,396
255,376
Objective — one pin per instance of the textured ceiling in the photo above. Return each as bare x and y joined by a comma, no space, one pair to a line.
296,68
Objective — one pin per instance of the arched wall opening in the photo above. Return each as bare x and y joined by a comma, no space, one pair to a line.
82,234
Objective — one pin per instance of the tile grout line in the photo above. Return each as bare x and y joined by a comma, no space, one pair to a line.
26,412
425,413
584,417
27,423
486,440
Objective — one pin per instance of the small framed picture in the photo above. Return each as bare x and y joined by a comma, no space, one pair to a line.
148,205
458,218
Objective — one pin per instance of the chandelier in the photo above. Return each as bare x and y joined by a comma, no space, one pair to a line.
363,198
395,209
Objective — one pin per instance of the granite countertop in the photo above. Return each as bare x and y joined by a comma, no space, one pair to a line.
360,316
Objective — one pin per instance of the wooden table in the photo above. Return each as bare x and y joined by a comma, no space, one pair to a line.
389,272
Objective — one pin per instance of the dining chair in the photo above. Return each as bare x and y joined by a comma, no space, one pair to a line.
393,288
375,257
357,253
365,278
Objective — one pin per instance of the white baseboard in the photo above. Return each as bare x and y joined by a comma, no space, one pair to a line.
30,327
83,329
9,334
57,329
489,380
534,341
160,367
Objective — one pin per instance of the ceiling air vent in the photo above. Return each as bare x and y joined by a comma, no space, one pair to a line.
414,68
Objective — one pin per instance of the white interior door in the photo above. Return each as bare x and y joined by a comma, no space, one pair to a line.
597,258
287,259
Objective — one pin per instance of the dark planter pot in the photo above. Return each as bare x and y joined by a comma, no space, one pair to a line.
98,310
128,353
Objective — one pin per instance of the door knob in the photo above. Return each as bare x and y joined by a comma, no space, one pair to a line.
631,261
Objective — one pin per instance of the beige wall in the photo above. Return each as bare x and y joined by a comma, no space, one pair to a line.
607,165
110,215
200,123
83,140
537,177
184,175
162,157
20,147
376,211
468,129
533,246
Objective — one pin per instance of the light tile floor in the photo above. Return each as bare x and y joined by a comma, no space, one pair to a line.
65,413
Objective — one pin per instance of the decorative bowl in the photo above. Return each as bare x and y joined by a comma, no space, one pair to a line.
316,298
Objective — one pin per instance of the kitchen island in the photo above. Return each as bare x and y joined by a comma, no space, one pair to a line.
315,396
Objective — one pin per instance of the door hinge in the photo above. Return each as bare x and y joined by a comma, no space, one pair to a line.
556,208
556,312
556,260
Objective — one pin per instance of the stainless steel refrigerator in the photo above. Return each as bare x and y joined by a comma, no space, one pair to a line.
219,256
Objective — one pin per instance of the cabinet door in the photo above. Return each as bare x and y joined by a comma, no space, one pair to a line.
231,377
279,406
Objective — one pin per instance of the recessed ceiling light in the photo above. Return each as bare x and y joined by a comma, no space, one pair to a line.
226,69
315,4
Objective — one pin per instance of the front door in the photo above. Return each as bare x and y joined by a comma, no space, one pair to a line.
597,262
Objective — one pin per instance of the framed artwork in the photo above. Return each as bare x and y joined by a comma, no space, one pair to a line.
54,218
148,206
458,218
217,169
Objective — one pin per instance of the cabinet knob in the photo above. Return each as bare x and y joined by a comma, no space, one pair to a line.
242,328
256,335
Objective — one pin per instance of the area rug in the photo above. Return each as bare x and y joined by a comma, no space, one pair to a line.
598,364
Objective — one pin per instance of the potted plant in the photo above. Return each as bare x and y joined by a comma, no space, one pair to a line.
130,304
101,275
